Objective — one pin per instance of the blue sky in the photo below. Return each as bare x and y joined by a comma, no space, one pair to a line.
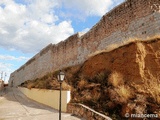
27,26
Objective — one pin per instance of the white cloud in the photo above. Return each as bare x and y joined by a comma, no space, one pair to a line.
88,7
9,57
85,30
4,66
31,27
8,64
116,2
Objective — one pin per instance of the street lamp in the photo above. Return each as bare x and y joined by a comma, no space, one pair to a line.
60,77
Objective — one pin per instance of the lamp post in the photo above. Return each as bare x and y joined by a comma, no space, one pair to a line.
60,77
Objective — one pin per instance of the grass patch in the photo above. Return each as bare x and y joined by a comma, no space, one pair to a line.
116,79
124,93
49,81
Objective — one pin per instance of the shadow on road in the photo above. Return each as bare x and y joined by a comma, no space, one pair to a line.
13,94
14,105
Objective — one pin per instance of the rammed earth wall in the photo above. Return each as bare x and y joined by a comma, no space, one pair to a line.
131,19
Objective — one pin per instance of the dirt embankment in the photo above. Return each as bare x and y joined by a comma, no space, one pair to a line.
136,62
124,80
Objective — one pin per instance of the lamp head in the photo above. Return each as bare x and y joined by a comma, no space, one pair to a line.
60,76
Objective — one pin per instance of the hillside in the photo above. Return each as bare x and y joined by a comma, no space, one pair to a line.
122,80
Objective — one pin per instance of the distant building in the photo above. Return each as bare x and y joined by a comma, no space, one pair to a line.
1,84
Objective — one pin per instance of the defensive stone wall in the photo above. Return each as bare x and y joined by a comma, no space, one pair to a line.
138,19
36,67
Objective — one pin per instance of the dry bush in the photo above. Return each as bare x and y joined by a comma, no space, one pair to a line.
101,77
65,86
150,87
71,72
96,93
54,84
124,93
41,84
30,85
155,92
154,89
141,102
48,81
82,83
86,96
116,79
49,76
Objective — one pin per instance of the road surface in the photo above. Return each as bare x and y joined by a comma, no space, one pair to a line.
16,106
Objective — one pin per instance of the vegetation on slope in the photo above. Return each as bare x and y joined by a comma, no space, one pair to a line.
49,81
124,80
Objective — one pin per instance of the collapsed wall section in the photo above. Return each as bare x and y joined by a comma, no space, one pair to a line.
132,19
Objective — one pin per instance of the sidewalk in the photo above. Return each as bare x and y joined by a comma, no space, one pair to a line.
15,106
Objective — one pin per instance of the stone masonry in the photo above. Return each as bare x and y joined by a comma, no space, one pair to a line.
132,19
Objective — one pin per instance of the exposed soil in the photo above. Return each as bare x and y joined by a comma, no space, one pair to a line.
124,80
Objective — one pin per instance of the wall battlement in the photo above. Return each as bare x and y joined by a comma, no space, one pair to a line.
131,19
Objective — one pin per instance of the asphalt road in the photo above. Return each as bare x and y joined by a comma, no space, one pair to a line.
16,106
